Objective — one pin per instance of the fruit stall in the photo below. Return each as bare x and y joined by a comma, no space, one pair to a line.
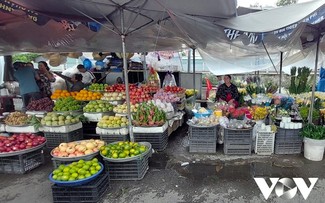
87,135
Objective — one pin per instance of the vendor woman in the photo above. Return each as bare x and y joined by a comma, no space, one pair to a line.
228,92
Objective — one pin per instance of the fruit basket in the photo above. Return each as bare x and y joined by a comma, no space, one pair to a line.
139,156
77,182
24,151
73,151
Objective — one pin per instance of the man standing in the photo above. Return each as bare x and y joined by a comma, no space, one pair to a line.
26,77
87,76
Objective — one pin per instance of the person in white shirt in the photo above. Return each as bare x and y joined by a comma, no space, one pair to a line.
87,76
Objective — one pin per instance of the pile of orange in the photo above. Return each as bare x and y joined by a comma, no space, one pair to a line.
61,94
85,95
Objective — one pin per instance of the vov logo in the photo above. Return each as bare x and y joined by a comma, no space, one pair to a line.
286,187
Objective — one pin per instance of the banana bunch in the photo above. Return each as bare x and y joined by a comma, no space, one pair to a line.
190,92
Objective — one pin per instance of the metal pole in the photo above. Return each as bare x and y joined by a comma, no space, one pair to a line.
194,75
281,60
189,61
126,78
144,65
310,116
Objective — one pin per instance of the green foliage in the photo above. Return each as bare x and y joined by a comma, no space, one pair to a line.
25,57
316,132
285,2
304,111
299,82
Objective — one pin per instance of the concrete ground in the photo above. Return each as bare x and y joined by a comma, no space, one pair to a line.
175,175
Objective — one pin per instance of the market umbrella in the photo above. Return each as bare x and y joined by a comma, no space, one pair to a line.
125,19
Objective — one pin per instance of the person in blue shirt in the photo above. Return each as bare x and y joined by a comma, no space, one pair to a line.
26,77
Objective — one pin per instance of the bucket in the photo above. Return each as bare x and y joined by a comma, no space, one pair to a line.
314,149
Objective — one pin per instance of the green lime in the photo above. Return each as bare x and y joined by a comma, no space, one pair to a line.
81,161
82,171
56,171
92,168
61,167
86,167
87,175
81,177
71,179
80,165
65,178
93,172
66,169
115,155
55,177
98,167
72,170
60,174
104,152
89,162
122,155
74,175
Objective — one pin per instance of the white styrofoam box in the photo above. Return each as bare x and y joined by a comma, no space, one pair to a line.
21,129
61,129
36,112
95,117
2,127
160,129
121,131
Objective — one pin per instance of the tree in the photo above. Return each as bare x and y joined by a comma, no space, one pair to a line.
25,57
286,2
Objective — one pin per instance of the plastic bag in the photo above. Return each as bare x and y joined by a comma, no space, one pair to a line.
169,80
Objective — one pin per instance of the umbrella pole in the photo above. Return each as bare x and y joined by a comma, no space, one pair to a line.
194,75
280,83
310,116
126,78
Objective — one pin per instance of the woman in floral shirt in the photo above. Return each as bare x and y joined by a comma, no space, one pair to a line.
46,79
228,92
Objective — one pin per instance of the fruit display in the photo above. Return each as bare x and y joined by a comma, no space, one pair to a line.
98,106
174,89
211,120
77,148
54,119
122,108
20,141
67,104
85,95
113,122
78,170
120,150
16,119
57,94
113,96
139,95
148,115
44,104
97,87
165,96
119,87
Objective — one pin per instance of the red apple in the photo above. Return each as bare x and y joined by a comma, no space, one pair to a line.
22,146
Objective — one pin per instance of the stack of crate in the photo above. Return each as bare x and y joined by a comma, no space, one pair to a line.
238,141
287,141
202,139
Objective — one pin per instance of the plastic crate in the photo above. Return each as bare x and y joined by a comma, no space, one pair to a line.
54,139
129,170
287,135
159,141
202,133
92,192
114,138
240,136
264,144
237,149
202,146
20,164
288,141
288,147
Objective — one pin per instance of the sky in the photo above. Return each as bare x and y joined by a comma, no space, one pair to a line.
263,3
